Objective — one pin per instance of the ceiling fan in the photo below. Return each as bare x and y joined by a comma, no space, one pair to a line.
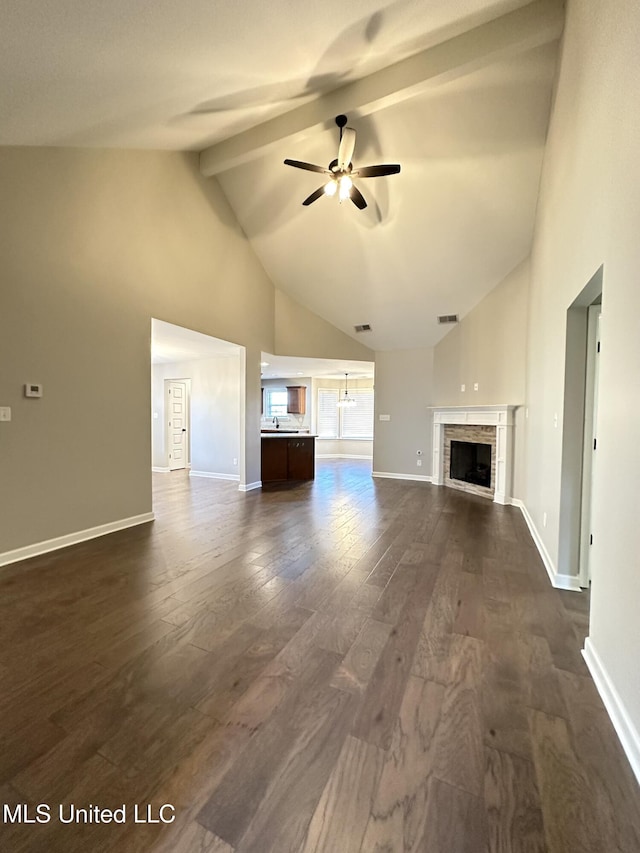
341,172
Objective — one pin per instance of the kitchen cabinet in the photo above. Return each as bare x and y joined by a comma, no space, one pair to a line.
287,457
297,399
300,459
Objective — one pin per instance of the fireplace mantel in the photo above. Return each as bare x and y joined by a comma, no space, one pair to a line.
502,417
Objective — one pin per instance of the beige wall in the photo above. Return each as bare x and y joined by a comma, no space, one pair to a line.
92,245
588,216
299,332
487,347
404,391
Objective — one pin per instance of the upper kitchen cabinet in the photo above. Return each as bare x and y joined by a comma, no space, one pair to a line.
297,399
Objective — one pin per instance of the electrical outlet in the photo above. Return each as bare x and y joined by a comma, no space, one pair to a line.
475,386
463,387
419,463
555,420
235,461
5,413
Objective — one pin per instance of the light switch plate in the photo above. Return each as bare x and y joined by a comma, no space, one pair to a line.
384,417
5,413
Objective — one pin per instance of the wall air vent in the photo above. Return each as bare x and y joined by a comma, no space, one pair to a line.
448,318
364,327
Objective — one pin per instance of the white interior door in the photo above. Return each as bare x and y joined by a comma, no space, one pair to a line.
177,415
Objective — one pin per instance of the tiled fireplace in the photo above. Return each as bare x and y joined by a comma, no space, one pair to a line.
473,450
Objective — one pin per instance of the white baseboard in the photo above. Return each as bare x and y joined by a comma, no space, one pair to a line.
249,487
341,456
626,731
421,478
157,470
213,476
559,581
48,545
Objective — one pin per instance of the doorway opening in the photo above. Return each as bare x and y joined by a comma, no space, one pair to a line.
579,438
197,394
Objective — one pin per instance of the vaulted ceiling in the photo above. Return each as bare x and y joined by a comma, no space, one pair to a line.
457,91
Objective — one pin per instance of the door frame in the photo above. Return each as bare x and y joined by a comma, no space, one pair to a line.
570,522
590,431
166,413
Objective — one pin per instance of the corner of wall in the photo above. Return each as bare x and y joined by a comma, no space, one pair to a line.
300,332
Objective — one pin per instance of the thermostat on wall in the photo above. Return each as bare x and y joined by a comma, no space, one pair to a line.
31,389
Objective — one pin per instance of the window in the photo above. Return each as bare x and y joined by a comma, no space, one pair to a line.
357,421
349,422
275,402
328,413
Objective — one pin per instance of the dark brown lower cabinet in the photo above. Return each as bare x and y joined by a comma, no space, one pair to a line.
288,458
300,459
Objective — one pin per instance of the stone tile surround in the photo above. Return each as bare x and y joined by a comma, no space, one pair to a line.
491,424
476,435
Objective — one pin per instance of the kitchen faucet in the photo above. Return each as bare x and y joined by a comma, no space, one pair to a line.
276,422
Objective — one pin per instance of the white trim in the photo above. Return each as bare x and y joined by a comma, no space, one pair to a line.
502,417
622,723
341,455
213,476
158,470
39,548
569,582
338,438
249,487
421,478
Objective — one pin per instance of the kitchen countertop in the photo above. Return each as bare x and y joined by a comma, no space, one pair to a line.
285,434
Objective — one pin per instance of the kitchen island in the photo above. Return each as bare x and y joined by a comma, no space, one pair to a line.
287,456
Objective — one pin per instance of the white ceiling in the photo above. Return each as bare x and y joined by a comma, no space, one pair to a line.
288,367
171,343
434,239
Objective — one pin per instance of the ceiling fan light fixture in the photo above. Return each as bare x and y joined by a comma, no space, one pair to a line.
345,187
340,170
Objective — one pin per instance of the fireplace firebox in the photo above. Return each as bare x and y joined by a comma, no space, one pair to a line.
471,463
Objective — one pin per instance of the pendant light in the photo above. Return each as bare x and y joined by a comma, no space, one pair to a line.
346,401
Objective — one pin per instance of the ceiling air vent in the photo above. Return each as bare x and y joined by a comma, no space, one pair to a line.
364,327
448,318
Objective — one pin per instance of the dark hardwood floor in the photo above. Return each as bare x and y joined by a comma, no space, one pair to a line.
345,665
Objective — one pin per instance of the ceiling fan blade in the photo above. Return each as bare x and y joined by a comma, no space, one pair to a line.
315,195
345,151
376,171
310,167
357,198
